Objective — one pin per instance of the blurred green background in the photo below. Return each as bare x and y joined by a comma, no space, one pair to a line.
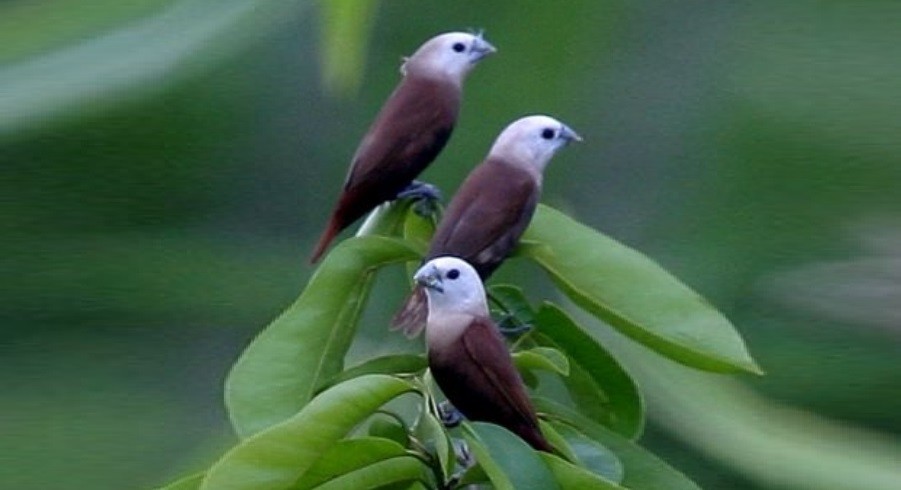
167,164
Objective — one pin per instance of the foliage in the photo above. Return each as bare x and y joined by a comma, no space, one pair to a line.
307,422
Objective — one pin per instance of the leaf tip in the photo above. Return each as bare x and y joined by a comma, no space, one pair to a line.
754,368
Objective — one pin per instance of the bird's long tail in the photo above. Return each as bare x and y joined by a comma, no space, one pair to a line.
536,439
411,317
331,230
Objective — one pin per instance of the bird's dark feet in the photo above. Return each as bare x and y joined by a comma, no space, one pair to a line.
465,460
450,416
426,197
512,327
463,455
420,190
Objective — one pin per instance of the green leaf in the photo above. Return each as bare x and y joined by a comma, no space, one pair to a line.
35,28
474,475
513,300
578,449
401,469
530,379
572,477
641,469
278,456
345,36
591,454
430,432
391,364
280,370
546,358
388,219
556,440
136,56
348,456
598,385
418,230
633,294
508,461
389,426
191,482
416,485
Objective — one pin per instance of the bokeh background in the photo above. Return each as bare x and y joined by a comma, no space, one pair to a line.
165,166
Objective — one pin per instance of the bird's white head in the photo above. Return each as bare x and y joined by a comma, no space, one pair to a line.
453,287
531,141
449,56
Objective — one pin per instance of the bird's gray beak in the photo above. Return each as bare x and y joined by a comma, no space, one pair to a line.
481,48
428,276
567,134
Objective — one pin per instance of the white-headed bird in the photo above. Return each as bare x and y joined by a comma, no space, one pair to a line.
411,129
467,355
489,213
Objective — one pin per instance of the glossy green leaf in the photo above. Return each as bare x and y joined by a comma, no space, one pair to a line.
278,456
632,293
530,379
389,426
641,469
557,440
416,485
591,454
513,300
545,358
474,475
347,456
391,364
191,482
508,461
431,434
599,386
280,370
578,449
388,219
418,230
572,477
380,474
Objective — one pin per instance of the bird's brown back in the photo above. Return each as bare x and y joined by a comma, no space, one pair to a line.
487,216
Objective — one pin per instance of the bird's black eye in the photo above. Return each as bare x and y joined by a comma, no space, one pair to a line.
459,47
453,274
547,134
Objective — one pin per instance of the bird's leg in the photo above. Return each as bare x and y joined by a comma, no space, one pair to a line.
464,457
426,197
450,416
420,190
465,461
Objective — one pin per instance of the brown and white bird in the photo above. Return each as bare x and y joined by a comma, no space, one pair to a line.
467,355
489,213
411,129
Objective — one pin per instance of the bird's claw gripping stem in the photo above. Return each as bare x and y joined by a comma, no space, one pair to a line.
426,197
450,416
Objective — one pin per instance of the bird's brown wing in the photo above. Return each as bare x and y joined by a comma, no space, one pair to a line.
408,133
477,375
487,351
411,129
487,216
